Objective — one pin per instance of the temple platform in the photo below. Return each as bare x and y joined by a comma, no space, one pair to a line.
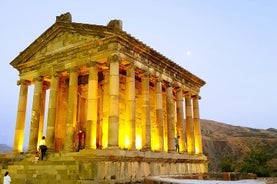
100,166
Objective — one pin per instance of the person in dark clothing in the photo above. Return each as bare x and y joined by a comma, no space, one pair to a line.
42,147
177,146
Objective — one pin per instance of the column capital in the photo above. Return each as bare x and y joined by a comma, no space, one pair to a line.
187,94
114,58
196,97
23,82
91,63
55,74
179,88
39,78
159,79
130,66
74,69
45,85
169,84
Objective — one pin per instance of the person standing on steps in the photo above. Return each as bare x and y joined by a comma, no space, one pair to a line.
7,179
177,144
42,147
81,140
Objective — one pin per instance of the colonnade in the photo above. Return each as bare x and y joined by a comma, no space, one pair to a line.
149,108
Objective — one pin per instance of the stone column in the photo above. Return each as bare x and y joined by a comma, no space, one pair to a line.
130,103
71,111
105,110
159,112
180,119
197,127
21,115
52,110
45,86
189,125
35,118
91,129
114,102
170,117
146,126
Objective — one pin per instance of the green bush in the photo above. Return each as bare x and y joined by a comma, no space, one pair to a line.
256,160
227,163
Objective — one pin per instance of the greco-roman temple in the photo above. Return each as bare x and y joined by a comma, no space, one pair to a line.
129,101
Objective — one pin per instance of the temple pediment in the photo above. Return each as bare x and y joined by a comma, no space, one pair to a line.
63,42
60,37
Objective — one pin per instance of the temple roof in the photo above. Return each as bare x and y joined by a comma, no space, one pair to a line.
112,30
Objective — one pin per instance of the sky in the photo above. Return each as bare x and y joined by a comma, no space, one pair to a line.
231,44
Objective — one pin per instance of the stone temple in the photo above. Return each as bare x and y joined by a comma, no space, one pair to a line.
129,101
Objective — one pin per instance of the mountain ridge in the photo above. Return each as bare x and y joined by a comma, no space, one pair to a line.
221,139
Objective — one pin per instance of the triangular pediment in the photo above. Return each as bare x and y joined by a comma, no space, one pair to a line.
60,37
62,42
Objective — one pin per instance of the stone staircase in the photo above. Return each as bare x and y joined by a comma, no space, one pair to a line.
53,169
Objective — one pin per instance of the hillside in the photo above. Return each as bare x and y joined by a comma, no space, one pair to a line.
5,148
221,139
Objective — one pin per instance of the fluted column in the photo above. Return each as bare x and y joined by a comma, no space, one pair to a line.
91,129
146,126
114,102
180,119
52,110
71,111
159,112
197,127
189,124
170,117
130,103
21,115
35,118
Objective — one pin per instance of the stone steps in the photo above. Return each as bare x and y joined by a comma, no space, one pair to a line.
53,169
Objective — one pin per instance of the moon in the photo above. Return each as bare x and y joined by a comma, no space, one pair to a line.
188,53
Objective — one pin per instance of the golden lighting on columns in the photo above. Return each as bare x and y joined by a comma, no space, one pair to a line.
170,117
71,110
21,114
197,128
105,110
146,126
155,144
92,102
113,134
180,118
45,86
52,111
159,114
34,127
130,107
189,124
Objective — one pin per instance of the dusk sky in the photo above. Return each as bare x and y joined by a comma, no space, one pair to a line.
231,44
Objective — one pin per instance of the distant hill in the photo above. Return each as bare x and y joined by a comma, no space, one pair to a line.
220,139
5,148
